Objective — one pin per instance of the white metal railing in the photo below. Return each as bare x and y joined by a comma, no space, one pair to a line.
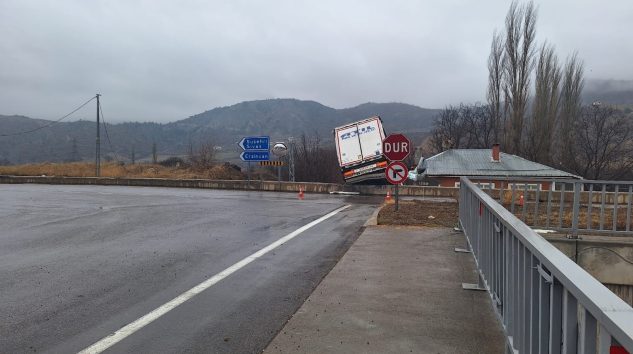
573,206
545,302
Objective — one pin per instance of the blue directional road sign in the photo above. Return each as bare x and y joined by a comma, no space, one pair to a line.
251,155
255,143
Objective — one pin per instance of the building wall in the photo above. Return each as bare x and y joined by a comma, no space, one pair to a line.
447,181
453,182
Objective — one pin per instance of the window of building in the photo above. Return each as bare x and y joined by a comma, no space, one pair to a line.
521,186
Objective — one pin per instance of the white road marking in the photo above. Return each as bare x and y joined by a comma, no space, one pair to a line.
129,329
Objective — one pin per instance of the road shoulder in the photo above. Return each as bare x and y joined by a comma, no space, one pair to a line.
398,289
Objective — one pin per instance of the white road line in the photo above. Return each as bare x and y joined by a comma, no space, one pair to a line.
129,329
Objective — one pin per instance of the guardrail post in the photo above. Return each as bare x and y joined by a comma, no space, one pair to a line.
576,211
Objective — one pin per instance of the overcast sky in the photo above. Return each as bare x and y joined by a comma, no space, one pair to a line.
166,60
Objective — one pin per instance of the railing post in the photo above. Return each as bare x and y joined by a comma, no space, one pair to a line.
576,210
587,330
604,340
570,324
556,317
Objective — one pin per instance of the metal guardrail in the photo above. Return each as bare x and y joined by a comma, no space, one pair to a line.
545,302
571,206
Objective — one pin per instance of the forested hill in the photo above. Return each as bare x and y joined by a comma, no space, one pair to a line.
616,92
222,126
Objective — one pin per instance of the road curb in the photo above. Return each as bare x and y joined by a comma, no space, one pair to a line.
373,219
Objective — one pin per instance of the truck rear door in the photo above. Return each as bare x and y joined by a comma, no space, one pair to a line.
370,136
348,144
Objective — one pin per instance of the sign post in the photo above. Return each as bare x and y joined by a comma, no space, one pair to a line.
396,147
396,173
280,150
256,148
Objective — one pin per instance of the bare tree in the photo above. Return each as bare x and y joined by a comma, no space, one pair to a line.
463,126
203,157
495,77
570,108
448,130
543,121
479,124
315,163
518,64
604,141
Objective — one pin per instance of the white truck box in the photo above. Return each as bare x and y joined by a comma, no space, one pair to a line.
359,149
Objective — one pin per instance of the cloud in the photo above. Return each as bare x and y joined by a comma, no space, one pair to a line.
165,60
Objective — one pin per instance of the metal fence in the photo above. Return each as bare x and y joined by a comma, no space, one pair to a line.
571,206
545,302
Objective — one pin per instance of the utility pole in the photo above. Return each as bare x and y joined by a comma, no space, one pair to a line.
248,171
291,159
154,154
98,154
74,154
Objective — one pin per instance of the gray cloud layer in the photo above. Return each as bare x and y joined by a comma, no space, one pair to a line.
165,60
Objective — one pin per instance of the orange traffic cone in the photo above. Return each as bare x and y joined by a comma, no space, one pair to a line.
521,200
300,193
388,196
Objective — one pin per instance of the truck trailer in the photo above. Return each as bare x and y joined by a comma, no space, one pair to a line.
359,149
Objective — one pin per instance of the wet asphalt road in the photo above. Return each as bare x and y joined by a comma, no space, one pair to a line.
79,262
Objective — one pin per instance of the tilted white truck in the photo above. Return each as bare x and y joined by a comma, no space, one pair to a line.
359,149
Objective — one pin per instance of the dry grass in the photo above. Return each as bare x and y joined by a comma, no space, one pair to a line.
566,221
82,169
420,213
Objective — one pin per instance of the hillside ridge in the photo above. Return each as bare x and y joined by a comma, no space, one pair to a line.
279,118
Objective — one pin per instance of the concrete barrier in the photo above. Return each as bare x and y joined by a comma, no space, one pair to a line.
419,191
608,259
308,187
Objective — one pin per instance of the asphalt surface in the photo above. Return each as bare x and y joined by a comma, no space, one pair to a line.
79,262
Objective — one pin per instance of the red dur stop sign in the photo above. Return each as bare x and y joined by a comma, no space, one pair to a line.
396,147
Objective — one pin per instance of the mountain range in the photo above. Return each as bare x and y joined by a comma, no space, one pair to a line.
617,92
223,127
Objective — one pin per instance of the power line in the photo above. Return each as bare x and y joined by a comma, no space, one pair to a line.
51,123
105,127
